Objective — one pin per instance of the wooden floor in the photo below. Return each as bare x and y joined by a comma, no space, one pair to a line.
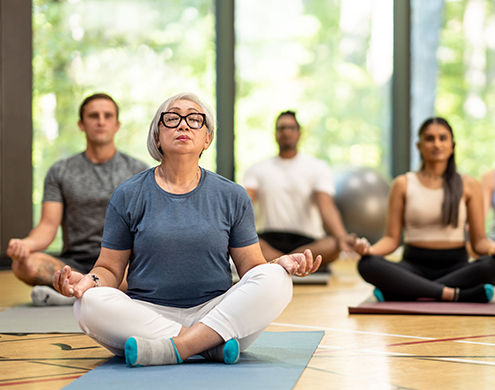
357,351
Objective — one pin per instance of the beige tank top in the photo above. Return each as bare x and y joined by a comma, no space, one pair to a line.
423,214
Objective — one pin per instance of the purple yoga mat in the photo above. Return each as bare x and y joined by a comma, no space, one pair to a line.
433,308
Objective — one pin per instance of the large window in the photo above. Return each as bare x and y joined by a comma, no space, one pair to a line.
331,62
466,81
140,52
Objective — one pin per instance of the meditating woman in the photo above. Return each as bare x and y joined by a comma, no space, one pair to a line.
432,207
175,226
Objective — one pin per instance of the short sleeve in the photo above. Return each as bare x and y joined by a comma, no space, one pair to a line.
324,179
52,190
116,233
243,231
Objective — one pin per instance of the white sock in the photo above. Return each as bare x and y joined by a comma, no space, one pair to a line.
145,352
47,296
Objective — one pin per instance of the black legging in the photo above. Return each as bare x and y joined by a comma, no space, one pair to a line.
423,273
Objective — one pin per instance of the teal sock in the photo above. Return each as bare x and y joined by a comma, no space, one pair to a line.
379,295
231,351
489,291
228,352
481,293
130,352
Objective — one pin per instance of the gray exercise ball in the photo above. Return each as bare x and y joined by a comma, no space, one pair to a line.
361,196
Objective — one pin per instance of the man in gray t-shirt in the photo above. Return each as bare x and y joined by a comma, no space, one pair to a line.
76,193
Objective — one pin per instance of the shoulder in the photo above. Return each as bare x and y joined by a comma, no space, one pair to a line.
138,178
399,184
131,161
260,165
257,172
402,179
219,180
470,184
134,183
223,185
75,159
308,158
67,163
311,161
488,179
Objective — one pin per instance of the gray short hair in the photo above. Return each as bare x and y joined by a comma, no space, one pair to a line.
153,149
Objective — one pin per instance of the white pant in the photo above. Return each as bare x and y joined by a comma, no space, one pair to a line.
110,317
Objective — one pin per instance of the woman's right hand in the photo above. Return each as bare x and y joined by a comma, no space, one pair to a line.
71,283
362,246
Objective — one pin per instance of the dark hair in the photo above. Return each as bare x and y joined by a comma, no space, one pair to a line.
94,97
290,113
452,181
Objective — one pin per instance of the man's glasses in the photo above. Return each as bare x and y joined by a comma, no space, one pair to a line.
172,120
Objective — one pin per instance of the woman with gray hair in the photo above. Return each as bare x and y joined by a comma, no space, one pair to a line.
175,226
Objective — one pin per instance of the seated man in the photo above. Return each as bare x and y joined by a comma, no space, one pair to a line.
76,193
294,193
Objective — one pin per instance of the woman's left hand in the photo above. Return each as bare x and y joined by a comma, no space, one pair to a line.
299,264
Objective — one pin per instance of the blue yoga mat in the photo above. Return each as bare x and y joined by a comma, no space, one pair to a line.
275,360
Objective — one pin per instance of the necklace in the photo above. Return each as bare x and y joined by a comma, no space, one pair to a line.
186,188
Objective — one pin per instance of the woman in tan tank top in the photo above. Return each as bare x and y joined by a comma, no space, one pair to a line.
432,207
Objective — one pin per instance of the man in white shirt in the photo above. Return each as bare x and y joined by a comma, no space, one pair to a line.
295,197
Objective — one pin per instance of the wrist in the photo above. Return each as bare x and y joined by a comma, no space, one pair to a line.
96,280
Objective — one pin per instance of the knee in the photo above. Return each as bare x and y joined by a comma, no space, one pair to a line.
25,270
487,266
93,307
366,264
273,279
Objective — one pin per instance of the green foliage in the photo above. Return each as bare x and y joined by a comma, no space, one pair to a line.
140,52
473,128
304,57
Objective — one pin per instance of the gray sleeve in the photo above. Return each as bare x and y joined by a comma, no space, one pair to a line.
52,191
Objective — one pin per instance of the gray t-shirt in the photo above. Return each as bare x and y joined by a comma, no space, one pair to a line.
180,242
84,188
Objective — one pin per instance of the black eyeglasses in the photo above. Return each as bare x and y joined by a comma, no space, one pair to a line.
194,120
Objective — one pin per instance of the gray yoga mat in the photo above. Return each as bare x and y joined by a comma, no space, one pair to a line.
276,360
32,319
